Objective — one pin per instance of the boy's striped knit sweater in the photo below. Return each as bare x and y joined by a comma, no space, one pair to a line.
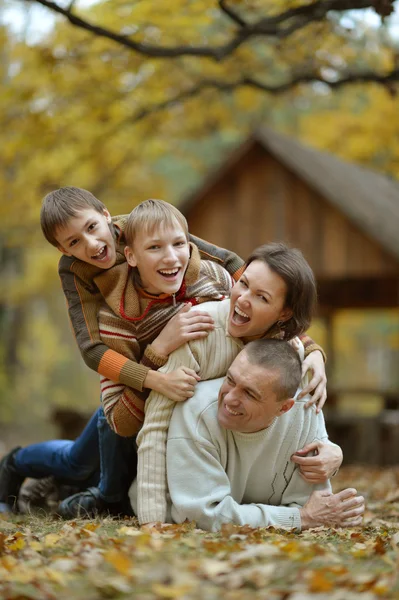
84,300
130,321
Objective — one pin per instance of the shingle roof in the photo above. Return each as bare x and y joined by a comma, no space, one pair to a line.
368,199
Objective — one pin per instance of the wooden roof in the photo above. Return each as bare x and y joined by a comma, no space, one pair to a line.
368,199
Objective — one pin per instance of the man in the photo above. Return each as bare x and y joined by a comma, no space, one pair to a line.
229,450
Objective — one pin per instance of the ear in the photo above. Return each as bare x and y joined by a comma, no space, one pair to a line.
130,256
107,215
285,315
61,249
286,405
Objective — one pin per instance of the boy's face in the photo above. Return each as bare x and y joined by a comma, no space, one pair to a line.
161,256
88,238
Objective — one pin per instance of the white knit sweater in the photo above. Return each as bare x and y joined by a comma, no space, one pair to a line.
218,476
210,357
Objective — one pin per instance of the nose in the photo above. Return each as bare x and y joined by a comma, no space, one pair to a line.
170,254
91,242
231,397
244,297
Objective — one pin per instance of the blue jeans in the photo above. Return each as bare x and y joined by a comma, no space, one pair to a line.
98,457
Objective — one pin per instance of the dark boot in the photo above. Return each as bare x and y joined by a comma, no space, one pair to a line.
90,504
10,483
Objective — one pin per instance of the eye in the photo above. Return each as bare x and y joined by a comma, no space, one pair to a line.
91,226
264,299
229,379
250,395
73,243
243,283
180,244
154,247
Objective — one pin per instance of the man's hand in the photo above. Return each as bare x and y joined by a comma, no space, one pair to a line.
344,509
324,461
187,325
177,385
317,386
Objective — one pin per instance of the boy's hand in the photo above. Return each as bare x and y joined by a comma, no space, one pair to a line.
187,325
177,385
318,384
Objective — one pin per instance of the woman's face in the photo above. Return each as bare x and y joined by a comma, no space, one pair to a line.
257,302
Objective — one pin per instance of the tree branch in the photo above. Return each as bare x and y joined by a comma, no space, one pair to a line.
225,87
231,14
275,26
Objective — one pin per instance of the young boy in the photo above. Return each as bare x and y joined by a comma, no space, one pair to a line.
79,225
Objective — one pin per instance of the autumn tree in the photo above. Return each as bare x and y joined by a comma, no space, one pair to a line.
141,99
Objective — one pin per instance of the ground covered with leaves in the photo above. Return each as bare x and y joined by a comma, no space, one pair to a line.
45,558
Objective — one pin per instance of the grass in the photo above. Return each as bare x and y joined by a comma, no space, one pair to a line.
45,558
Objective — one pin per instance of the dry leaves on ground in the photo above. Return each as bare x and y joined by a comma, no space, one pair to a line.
47,559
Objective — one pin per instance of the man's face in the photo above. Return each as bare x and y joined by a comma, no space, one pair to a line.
257,302
161,256
88,238
247,400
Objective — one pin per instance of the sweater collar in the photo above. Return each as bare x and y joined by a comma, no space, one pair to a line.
118,289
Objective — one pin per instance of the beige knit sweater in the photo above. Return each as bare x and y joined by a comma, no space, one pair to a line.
210,357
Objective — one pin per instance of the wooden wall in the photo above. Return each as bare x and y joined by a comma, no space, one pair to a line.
260,200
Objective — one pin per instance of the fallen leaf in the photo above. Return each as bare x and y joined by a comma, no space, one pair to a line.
119,561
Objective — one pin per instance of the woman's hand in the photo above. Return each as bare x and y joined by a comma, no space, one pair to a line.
317,386
177,385
321,465
185,326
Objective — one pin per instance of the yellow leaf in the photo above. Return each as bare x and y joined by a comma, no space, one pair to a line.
19,544
319,583
91,527
36,545
51,539
171,591
120,561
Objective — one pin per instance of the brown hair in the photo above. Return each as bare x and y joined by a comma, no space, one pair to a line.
150,214
291,266
279,357
59,206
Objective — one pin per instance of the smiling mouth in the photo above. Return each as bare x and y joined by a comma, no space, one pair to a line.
101,254
231,412
169,273
239,317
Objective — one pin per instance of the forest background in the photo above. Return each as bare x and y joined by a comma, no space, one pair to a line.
142,99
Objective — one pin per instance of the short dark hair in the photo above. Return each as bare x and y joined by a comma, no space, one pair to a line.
278,356
292,267
59,206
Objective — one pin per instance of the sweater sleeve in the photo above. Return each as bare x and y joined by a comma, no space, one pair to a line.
310,346
229,260
151,470
124,406
84,303
200,490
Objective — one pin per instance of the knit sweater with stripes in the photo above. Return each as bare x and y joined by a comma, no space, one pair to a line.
78,280
129,320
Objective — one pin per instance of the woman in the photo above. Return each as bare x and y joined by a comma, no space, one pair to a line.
275,297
